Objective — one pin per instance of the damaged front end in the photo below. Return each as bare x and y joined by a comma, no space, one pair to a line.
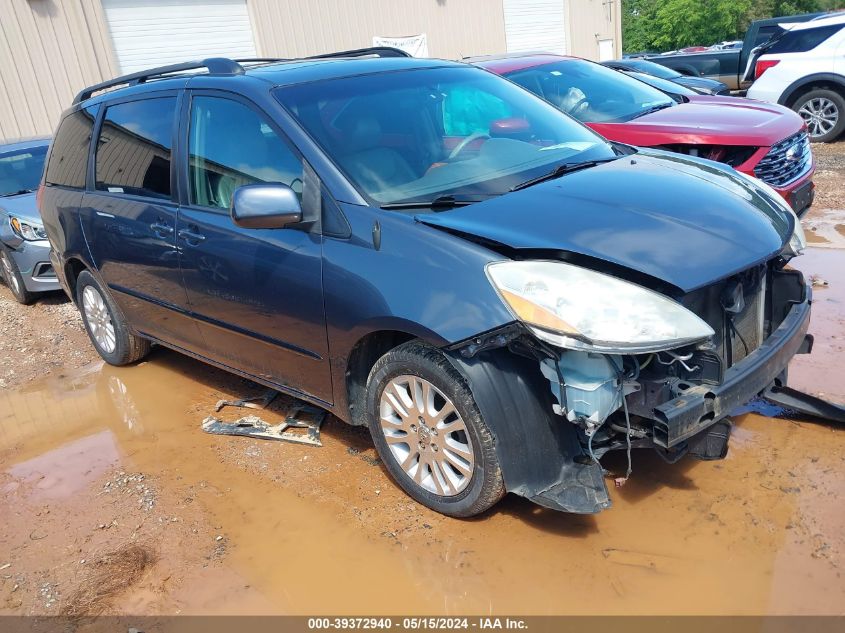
674,399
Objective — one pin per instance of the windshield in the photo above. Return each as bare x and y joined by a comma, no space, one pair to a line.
651,68
421,134
590,92
20,171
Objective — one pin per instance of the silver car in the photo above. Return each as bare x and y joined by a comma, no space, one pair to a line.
24,249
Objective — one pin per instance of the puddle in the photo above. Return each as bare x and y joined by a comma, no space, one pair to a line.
826,229
323,530
714,526
821,373
68,469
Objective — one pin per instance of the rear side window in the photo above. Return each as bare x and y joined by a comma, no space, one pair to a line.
134,148
804,40
231,145
69,154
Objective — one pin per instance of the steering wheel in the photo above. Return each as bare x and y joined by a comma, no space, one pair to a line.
579,105
465,143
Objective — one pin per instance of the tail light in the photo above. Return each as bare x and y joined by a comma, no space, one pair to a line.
763,65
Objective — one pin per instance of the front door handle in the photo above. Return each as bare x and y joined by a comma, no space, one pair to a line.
190,237
161,229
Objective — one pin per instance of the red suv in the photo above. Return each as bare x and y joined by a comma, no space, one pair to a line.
759,139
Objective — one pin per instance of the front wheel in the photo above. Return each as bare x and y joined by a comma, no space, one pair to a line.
14,279
429,432
824,113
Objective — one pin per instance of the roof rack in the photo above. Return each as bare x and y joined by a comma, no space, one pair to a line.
372,51
214,65
225,66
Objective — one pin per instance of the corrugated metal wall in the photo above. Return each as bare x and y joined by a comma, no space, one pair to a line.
455,28
49,50
588,21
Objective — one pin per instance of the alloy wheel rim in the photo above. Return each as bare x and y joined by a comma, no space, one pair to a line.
426,435
10,275
99,320
821,116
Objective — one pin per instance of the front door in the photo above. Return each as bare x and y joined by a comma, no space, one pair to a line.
256,293
129,219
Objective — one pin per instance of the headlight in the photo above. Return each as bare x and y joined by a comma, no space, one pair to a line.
572,307
28,231
798,241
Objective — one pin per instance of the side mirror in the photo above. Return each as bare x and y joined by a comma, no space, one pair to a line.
265,206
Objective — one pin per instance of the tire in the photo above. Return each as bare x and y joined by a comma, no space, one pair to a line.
817,103
13,278
454,472
115,344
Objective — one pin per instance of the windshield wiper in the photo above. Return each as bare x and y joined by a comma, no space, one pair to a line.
654,108
561,170
20,192
440,203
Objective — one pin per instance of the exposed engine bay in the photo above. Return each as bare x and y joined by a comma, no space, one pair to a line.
675,401
618,401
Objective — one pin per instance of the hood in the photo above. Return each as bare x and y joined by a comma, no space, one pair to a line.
711,86
22,206
683,221
708,120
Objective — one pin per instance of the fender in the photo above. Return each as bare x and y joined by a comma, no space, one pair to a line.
536,449
793,88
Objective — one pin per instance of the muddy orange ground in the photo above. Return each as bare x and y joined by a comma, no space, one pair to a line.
100,458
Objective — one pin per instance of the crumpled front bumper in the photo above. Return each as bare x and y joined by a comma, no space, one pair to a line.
701,406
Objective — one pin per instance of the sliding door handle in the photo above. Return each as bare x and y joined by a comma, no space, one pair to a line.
161,229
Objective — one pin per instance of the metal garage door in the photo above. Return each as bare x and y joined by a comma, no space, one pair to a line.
535,25
150,33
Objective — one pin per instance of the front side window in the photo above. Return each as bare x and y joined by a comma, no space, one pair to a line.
20,171
69,155
590,92
415,135
231,145
134,148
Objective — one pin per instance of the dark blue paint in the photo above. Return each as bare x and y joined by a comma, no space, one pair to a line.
682,221
287,306
257,295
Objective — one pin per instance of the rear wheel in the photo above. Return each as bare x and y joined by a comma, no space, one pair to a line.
14,279
823,111
429,432
105,324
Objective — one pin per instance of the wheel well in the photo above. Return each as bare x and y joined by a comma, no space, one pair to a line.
363,356
816,85
73,268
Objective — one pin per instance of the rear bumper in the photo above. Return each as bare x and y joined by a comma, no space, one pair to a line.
701,406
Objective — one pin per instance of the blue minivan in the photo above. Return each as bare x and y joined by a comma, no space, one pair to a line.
501,295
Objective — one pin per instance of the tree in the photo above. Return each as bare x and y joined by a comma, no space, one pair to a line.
660,25
774,8
670,24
